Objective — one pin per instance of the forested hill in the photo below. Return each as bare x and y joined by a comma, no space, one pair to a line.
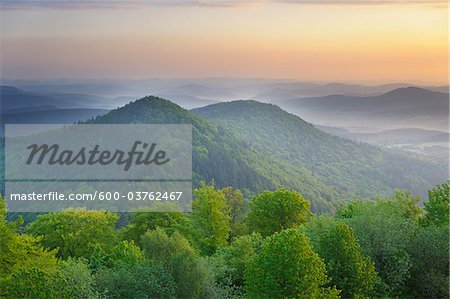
352,169
216,154
254,146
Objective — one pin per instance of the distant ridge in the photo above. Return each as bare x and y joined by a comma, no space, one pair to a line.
413,91
402,107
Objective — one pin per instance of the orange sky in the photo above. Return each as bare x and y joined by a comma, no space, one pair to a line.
381,42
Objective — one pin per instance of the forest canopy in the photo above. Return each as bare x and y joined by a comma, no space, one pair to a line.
271,246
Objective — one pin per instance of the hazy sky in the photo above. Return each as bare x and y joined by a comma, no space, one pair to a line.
322,40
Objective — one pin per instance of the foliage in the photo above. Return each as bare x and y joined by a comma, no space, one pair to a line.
145,279
237,257
350,271
437,207
29,283
174,252
126,253
287,267
211,225
429,253
73,280
70,279
23,261
384,229
141,222
384,248
272,212
75,232
237,209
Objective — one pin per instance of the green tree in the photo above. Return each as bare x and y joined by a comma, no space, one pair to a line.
350,271
75,232
70,279
437,207
272,212
409,204
237,209
25,266
73,279
145,279
210,219
29,283
141,222
287,267
174,252
237,257
125,252
384,229
98,259
430,256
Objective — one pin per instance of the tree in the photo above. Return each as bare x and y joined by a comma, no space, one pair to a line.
73,279
350,271
430,256
29,283
237,209
145,279
408,203
437,207
141,222
75,232
287,267
125,252
174,252
210,219
272,212
70,279
384,229
237,257
25,266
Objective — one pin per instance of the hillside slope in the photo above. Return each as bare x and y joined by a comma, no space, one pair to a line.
219,155
216,155
254,146
351,169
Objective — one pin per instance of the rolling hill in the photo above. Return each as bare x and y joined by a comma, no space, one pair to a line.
409,107
52,116
352,169
254,146
13,98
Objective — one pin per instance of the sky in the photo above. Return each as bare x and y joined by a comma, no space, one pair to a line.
371,41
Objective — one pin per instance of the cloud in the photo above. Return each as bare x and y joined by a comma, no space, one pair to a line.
114,4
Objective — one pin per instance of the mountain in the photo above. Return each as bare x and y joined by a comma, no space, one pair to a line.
254,146
219,155
392,137
53,116
216,154
304,152
401,108
13,98
287,91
